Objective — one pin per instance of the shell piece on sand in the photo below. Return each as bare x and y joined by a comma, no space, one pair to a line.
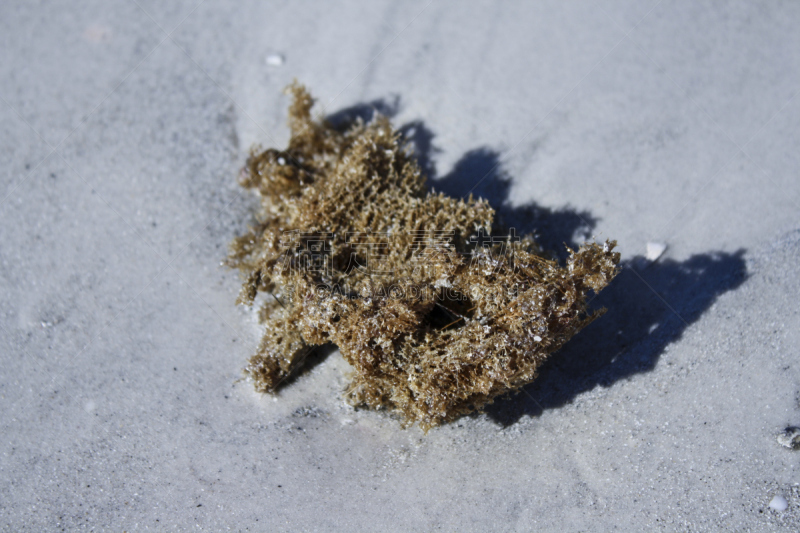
275,60
655,250
790,438
779,504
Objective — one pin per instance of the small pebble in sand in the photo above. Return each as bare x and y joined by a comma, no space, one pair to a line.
274,60
655,250
790,438
779,504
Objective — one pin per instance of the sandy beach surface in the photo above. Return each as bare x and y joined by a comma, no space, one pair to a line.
122,129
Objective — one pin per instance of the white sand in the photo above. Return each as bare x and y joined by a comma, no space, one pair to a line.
121,348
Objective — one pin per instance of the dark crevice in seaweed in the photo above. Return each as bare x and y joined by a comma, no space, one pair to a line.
314,357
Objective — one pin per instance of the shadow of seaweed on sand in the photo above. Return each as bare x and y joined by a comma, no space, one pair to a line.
649,305
479,172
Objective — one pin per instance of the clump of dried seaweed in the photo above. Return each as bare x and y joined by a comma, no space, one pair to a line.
436,315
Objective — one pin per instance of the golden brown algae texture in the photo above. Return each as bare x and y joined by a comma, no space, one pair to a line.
437,315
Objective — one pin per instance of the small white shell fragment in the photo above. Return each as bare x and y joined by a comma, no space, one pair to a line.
790,438
274,60
655,250
537,338
779,504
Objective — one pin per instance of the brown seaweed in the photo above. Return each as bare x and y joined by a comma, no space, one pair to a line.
437,315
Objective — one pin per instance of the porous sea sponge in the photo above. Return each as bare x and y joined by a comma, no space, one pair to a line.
437,315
